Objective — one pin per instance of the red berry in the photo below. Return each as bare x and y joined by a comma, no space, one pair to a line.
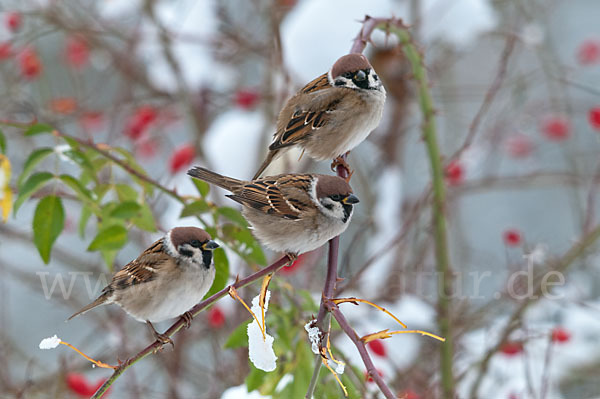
30,64
216,317
519,146
594,117
455,173
5,50
377,347
77,52
556,128
182,157
246,98
13,21
147,148
91,120
408,394
63,105
369,378
512,348
512,237
588,52
140,121
513,395
560,335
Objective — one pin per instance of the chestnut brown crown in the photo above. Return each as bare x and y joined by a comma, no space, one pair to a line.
349,63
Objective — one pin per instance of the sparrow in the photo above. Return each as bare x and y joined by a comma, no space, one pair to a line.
165,281
290,213
332,114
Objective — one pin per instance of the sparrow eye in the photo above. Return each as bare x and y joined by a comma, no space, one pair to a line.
336,197
348,75
195,243
360,76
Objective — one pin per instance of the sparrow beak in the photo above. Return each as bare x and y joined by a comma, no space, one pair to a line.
351,199
210,245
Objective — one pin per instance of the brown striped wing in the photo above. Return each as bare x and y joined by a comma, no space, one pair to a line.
284,196
142,269
295,124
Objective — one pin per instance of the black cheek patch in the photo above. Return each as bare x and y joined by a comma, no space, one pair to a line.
207,258
340,83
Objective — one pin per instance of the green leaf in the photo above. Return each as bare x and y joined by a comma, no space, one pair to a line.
247,246
38,128
86,212
125,192
194,208
303,370
80,159
126,210
202,187
2,143
255,379
146,219
109,256
33,184
34,158
239,337
48,222
83,193
109,238
233,214
222,272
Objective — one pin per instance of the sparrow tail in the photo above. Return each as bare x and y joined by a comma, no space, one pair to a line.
102,299
228,183
265,164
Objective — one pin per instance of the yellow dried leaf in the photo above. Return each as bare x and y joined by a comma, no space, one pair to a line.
5,192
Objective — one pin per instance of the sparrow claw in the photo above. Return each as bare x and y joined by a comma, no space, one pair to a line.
341,162
291,258
162,338
187,319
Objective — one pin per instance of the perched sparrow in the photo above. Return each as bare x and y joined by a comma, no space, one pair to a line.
332,114
292,213
165,281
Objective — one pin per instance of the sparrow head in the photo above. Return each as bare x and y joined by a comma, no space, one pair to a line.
354,72
190,244
334,197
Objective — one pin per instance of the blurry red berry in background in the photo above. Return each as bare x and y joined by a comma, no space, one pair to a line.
78,384
513,395
30,64
246,98
588,52
216,317
182,157
147,148
594,117
519,146
369,378
63,105
560,335
5,51
408,394
455,173
141,119
377,347
77,52
556,128
91,120
13,21
511,348
512,237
